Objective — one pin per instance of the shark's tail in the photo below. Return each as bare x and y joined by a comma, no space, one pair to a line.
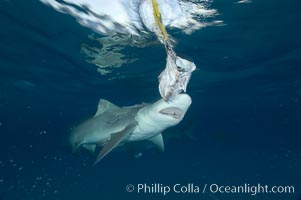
75,142
75,147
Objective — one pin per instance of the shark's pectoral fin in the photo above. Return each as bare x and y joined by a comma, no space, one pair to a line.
116,138
158,141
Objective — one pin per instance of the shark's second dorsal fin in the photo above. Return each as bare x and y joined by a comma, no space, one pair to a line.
104,105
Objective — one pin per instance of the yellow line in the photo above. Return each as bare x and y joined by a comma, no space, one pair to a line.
158,20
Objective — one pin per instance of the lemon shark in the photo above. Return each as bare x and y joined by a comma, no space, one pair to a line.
113,126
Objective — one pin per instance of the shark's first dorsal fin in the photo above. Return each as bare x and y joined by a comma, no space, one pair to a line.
158,141
104,105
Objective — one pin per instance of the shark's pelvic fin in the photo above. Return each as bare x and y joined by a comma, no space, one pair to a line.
116,138
103,106
90,147
158,141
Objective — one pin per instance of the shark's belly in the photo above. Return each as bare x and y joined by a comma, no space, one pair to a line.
95,131
103,135
144,132
148,124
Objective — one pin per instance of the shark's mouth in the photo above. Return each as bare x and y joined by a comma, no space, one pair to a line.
172,112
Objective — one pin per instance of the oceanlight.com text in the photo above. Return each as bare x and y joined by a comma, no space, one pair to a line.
191,188
251,189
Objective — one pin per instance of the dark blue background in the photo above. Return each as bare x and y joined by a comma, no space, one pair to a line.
243,127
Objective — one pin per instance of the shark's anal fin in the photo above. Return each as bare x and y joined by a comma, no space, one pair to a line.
116,138
158,141
103,106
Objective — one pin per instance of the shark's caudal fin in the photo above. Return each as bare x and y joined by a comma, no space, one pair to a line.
116,138
103,106
75,146
158,141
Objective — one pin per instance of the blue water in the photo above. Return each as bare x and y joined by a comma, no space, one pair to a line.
243,126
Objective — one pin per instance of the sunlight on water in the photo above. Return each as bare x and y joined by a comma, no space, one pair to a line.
132,16
130,23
